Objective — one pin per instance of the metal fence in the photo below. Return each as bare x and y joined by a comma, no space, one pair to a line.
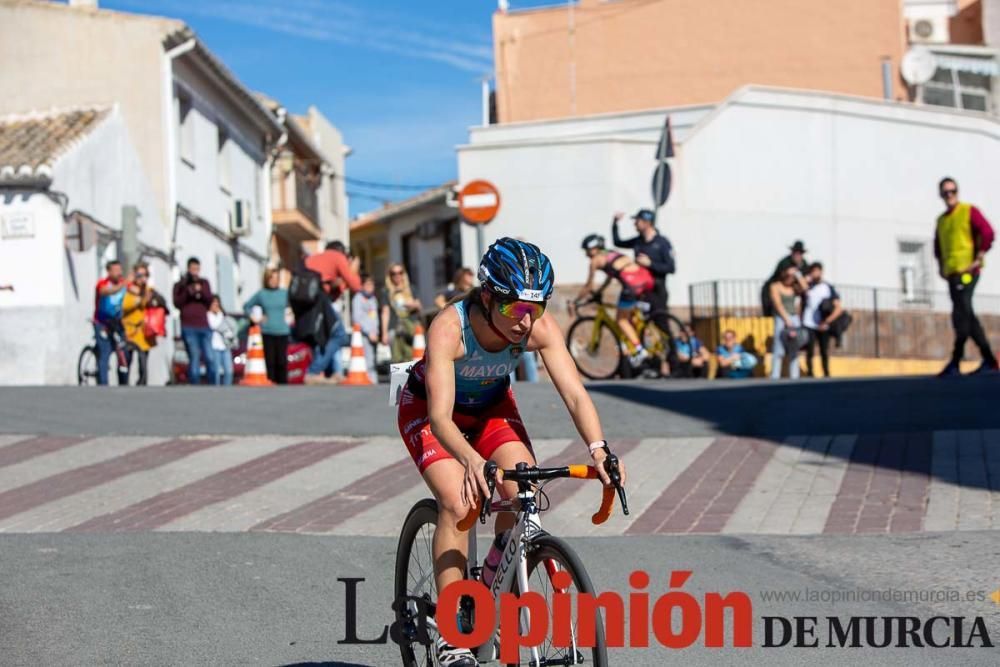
887,323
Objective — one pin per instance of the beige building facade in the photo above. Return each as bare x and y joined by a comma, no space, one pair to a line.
597,56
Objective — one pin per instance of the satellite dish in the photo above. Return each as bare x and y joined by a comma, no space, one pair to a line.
918,65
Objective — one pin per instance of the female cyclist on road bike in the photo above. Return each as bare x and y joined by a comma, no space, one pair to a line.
457,409
635,279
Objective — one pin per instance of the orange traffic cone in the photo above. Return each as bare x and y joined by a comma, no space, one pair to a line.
255,372
357,370
419,342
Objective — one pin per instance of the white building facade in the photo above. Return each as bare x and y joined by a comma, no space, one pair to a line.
854,178
204,142
84,179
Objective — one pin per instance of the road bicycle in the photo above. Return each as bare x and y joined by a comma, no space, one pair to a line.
600,348
531,557
86,365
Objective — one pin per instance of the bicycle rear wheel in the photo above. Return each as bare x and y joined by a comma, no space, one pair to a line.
86,367
415,577
547,554
597,354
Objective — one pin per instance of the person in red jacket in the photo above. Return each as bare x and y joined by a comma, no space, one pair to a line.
961,239
337,271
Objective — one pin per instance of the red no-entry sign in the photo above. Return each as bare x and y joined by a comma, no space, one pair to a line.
478,202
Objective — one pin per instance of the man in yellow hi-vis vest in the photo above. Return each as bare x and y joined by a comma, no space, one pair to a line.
961,240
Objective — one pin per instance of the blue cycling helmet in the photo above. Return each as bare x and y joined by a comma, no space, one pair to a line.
513,269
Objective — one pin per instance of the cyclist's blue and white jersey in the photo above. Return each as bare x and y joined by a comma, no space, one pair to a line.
481,376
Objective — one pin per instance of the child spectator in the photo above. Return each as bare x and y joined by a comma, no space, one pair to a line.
734,362
364,313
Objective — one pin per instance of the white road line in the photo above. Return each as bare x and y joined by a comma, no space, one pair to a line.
294,490
9,439
815,509
942,498
761,500
130,489
64,460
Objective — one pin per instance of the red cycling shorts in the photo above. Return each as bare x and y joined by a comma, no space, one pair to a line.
495,425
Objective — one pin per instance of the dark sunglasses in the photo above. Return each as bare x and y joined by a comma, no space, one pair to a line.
948,193
395,273
142,275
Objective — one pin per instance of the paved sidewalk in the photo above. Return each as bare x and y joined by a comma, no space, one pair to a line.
844,483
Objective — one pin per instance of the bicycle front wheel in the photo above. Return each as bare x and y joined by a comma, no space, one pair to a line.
415,579
547,555
594,348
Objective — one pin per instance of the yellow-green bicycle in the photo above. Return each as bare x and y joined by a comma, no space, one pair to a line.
601,350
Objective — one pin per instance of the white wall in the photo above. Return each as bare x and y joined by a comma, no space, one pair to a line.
850,177
199,188
44,322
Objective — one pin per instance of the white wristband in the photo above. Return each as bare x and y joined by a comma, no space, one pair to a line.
597,445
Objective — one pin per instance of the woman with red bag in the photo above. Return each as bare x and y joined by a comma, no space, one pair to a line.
140,302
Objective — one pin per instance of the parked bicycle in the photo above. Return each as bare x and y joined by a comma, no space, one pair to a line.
535,556
121,356
600,348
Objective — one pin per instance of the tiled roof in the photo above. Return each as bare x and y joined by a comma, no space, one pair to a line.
434,195
30,141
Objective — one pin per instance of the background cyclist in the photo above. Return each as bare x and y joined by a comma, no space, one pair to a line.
457,409
636,282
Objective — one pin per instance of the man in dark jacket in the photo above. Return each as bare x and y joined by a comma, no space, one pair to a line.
655,253
193,296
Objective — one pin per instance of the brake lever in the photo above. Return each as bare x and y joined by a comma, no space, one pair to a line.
490,473
614,473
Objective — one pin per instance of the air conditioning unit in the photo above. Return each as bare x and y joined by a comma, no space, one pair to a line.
239,218
929,30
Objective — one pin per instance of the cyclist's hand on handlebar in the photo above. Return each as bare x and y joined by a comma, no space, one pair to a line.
599,455
474,486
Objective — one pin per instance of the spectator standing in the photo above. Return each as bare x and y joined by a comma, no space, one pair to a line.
192,295
653,251
692,356
796,259
109,295
400,313
461,283
820,298
364,313
138,297
223,338
273,301
734,361
961,240
338,272
787,323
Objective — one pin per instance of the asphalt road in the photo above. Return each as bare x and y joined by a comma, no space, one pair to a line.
175,598
628,409
203,599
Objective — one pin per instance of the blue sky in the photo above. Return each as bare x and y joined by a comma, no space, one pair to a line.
401,79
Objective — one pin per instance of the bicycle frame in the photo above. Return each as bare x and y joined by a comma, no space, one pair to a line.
639,321
513,563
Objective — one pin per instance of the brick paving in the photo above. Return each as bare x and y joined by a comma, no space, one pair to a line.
800,485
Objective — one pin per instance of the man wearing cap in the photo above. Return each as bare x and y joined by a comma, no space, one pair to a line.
796,258
962,237
653,251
